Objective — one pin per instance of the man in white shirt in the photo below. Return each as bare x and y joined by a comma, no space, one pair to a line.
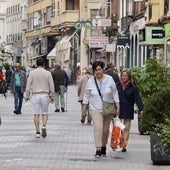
40,85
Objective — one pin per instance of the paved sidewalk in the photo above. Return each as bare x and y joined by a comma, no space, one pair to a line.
69,144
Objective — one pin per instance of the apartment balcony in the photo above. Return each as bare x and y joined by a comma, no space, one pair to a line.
38,32
166,17
65,19
152,12
40,5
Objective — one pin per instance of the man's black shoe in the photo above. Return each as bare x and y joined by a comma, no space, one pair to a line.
57,110
62,109
16,112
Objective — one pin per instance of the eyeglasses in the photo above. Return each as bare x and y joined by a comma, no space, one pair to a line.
17,66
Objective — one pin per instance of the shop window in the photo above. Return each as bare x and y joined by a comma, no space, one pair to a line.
48,15
129,7
69,5
72,4
150,11
166,6
53,7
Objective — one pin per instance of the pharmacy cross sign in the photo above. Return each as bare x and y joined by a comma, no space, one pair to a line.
79,24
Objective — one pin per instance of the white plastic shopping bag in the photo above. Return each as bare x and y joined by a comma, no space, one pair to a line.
117,137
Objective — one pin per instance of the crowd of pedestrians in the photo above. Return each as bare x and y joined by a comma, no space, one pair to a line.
97,83
107,85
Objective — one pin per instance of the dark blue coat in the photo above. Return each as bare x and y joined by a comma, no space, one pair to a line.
127,100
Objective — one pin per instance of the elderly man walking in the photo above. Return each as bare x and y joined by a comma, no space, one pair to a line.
60,83
40,85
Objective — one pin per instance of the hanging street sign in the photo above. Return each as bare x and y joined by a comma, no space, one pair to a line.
101,22
87,25
79,24
98,42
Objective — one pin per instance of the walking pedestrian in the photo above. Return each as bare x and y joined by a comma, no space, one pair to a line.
8,77
18,85
4,72
110,71
40,85
1,76
81,88
109,93
128,95
60,79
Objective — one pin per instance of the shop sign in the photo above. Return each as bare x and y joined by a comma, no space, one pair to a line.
110,47
98,42
100,22
142,35
154,34
167,29
86,24
158,34
123,40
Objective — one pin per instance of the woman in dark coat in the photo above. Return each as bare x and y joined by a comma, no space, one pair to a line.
128,95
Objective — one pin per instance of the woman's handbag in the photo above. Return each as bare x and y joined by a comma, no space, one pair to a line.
107,108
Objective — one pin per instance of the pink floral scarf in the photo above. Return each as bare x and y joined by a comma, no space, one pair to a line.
124,84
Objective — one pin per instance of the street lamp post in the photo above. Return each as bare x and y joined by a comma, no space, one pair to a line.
83,26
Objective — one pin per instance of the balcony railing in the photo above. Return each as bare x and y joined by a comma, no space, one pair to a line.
65,18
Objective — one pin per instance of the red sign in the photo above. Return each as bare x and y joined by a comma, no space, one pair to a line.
98,42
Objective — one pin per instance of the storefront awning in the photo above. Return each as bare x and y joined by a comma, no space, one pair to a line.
150,43
52,54
42,55
63,48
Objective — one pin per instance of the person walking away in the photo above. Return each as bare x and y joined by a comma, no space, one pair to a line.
110,71
18,85
109,94
128,95
68,72
4,72
81,88
60,79
1,76
8,77
40,85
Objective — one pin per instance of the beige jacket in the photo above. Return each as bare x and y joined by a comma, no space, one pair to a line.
40,81
82,86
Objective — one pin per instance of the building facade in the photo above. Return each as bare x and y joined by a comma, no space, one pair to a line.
126,32
2,21
14,34
2,29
